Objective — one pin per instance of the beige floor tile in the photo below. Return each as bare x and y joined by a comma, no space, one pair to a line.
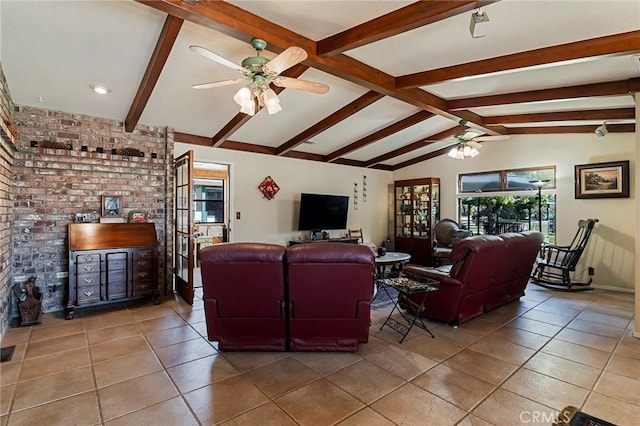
172,412
111,319
436,349
596,328
412,405
9,373
629,347
308,405
162,323
612,410
587,339
109,334
459,336
66,329
171,336
549,318
506,351
282,376
325,363
499,317
193,316
184,352
564,369
506,408
472,420
244,360
53,387
16,336
105,351
366,381
614,310
534,326
564,309
480,325
624,366
481,366
55,363
520,337
149,312
125,368
368,417
19,352
268,414
374,345
619,387
609,320
582,354
135,394
454,386
6,398
224,400
57,344
402,362
80,409
545,390
201,372
201,329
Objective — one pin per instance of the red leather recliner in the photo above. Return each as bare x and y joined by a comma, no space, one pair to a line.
487,272
330,287
244,295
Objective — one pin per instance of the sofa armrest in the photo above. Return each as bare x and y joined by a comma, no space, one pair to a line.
422,272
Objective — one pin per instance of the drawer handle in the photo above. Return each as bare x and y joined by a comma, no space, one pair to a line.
143,254
88,280
142,274
89,293
86,258
142,263
142,286
89,267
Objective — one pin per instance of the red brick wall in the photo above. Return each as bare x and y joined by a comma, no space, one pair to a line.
7,150
52,185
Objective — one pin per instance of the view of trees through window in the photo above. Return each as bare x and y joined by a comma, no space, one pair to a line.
495,214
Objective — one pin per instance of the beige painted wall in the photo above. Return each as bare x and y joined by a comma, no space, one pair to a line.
611,250
276,220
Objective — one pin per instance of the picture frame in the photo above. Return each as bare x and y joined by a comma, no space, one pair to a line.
111,206
137,216
602,180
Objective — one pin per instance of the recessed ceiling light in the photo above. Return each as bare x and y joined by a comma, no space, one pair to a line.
100,89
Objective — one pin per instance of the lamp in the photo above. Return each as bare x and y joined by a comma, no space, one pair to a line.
462,150
539,184
255,95
479,24
602,130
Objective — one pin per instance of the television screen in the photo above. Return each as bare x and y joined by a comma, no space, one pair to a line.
320,212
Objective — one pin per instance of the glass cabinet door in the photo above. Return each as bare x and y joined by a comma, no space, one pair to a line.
421,209
403,211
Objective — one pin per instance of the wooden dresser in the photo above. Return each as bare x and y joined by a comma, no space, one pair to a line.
111,262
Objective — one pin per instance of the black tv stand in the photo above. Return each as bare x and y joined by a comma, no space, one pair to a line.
330,240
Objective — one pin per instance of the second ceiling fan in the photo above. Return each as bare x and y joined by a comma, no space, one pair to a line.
259,72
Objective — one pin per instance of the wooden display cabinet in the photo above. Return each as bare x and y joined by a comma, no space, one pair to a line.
110,262
416,211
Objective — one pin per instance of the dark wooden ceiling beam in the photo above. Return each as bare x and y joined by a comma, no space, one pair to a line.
167,38
380,134
393,23
240,119
616,44
333,119
593,114
613,88
546,130
414,146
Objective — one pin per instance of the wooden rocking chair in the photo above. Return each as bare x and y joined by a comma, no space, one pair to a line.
557,262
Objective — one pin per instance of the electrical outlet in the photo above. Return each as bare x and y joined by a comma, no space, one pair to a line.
238,215
592,271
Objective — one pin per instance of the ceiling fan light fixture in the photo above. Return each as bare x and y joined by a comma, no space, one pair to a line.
271,101
479,25
243,96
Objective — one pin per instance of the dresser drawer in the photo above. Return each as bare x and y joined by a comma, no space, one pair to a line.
142,287
116,290
88,258
89,293
88,279
114,276
88,268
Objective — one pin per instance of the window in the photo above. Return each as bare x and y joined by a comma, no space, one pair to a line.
208,201
507,180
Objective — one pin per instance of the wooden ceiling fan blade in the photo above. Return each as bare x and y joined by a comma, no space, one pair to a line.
473,144
219,83
215,57
304,85
471,134
291,56
492,138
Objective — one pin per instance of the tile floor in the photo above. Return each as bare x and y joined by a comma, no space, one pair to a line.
519,364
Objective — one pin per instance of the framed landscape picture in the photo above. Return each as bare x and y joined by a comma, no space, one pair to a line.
602,180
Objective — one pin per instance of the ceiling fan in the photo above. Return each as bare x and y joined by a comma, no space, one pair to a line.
259,72
467,142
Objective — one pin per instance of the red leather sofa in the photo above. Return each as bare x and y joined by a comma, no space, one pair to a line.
487,271
330,292
309,297
244,295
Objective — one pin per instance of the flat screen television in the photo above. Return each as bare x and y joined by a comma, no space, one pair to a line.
320,212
